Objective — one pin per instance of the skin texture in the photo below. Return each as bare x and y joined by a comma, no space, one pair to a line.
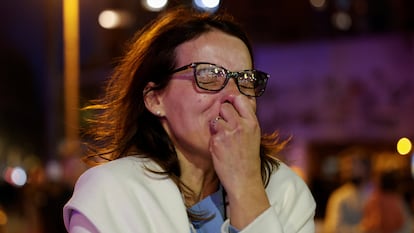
212,151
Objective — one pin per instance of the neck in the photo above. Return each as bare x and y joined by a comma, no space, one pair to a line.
199,176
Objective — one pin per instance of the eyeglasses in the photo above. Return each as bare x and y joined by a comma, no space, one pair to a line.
211,77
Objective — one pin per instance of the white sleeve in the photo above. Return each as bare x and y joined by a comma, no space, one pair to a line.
78,223
292,206
120,196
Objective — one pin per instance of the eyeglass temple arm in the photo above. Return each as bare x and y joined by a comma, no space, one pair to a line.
183,68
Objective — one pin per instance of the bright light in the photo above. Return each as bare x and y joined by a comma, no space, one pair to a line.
108,19
54,171
319,4
211,3
342,21
18,176
207,5
15,176
404,146
154,5
111,19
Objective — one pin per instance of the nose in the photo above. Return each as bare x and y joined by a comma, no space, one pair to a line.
231,88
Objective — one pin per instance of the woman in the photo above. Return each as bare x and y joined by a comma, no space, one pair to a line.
178,126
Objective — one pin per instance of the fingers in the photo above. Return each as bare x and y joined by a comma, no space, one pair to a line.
214,124
219,124
235,112
239,106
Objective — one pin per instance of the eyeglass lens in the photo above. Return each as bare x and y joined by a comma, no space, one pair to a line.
214,78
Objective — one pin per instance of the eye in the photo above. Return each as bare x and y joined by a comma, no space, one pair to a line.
208,75
246,80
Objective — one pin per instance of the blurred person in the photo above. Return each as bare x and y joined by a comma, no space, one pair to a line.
386,210
44,195
177,142
344,209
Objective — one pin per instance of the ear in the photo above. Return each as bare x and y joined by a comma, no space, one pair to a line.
152,100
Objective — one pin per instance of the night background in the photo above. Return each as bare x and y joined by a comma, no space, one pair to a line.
342,75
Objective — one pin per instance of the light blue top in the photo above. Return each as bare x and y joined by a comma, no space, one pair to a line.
214,206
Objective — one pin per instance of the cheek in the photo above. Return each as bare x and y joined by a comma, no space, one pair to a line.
185,104
189,118
252,104
182,95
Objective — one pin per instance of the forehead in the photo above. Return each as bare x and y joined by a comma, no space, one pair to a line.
215,47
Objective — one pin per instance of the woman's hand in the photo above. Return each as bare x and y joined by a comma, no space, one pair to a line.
235,149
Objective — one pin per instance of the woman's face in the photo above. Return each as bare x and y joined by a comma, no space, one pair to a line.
188,110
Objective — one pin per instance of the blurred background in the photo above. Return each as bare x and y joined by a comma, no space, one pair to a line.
342,77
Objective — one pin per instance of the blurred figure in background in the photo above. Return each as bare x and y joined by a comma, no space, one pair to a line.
386,211
345,205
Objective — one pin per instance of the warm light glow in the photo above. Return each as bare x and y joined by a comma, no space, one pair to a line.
154,5
3,218
111,19
108,19
318,3
404,146
71,69
342,21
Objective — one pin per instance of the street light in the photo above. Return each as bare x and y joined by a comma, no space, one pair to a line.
71,70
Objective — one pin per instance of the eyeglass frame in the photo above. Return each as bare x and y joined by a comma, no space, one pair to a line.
229,74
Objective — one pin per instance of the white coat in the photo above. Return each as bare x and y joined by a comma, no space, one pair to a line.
122,196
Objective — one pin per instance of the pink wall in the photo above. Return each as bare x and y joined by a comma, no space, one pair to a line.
347,89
